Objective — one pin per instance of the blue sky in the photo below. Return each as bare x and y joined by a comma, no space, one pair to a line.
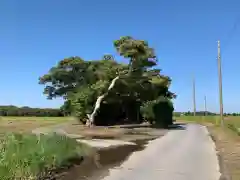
34,35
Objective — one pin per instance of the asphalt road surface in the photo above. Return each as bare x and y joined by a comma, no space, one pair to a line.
187,154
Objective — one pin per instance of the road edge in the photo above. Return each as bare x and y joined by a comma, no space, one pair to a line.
223,169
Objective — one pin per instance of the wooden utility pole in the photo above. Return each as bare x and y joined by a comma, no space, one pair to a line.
220,84
205,105
194,98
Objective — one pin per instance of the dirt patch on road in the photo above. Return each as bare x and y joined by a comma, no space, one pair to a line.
228,146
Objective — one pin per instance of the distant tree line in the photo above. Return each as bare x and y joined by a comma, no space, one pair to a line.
231,114
28,111
203,113
200,113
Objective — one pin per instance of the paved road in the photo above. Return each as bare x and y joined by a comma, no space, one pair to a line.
180,155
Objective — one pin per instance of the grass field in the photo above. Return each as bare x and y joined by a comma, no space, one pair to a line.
228,120
26,124
231,123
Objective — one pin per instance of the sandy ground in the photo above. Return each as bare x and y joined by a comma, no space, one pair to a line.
228,145
102,137
77,131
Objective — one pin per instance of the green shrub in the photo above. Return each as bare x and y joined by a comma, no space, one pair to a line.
163,111
147,111
31,156
159,112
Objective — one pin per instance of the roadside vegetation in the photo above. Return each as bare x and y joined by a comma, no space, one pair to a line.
26,156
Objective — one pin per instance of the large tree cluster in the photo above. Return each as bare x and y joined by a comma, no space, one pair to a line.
106,92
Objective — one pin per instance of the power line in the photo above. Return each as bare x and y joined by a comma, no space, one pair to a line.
231,33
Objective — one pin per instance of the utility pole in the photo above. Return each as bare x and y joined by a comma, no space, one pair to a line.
220,84
194,100
205,105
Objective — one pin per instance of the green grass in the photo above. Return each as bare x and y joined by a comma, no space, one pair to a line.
199,119
31,156
232,122
26,118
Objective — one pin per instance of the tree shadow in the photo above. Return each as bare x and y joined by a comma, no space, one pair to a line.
177,126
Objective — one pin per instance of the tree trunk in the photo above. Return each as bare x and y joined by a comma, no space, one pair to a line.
91,117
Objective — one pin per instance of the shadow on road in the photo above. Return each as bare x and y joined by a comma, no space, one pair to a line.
178,126
112,157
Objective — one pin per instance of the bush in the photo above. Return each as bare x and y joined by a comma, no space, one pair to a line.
31,156
147,111
158,112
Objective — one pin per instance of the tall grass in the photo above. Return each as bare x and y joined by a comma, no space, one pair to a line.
30,156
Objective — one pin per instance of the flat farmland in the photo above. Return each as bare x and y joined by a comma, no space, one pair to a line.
27,124
233,120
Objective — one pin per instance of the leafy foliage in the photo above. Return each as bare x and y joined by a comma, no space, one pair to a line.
158,111
163,111
81,82
72,73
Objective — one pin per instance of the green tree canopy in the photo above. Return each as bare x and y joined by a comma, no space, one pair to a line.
88,84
